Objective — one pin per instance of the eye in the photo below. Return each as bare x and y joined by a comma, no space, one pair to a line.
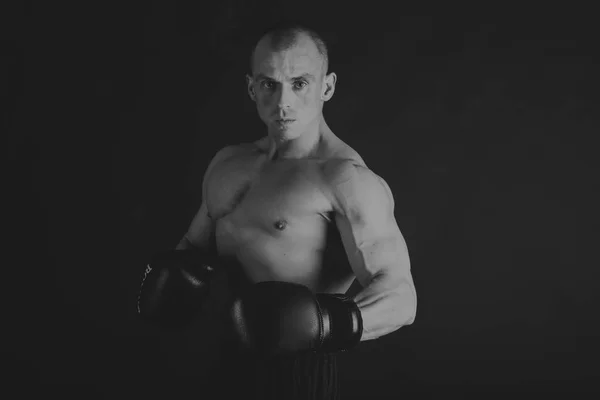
267,85
300,84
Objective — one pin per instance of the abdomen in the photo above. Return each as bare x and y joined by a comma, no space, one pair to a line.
300,256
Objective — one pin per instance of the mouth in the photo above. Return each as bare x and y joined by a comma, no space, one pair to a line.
284,123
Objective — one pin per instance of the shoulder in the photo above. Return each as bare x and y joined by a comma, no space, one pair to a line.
233,152
231,158
351,185
344,169
340,170
335,149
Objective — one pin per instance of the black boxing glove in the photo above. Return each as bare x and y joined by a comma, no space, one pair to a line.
175,286
279,318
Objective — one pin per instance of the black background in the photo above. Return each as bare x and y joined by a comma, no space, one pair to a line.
484,126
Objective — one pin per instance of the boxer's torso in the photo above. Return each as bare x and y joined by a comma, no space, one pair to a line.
276,219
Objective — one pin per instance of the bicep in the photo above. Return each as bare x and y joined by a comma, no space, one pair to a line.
374,247
369,231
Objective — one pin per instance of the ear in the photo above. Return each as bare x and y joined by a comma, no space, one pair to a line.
250,84
328,86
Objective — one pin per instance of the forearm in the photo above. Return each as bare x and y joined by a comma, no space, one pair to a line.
386,306
184,244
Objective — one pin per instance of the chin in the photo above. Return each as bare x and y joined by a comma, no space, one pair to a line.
281,135
289,133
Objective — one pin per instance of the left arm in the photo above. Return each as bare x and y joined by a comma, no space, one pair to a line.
386,310
375,247
282,317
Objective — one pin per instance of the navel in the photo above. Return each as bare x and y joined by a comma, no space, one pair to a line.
280,224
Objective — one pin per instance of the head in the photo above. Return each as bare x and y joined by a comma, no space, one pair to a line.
289,80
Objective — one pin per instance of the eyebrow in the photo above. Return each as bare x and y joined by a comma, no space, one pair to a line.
305,76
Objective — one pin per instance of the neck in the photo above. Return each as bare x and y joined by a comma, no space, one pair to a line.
305,145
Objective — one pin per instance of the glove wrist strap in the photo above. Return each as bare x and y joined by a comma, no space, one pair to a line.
342,322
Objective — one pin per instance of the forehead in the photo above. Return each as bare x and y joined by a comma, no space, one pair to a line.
300,58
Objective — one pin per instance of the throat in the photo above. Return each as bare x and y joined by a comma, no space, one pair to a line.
307,145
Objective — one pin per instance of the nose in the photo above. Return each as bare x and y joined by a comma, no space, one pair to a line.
285,99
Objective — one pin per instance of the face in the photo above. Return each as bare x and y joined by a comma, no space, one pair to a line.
289,87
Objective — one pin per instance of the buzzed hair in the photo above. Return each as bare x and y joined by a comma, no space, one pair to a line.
284,35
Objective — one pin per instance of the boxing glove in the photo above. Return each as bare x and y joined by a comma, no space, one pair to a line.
282,318
175,286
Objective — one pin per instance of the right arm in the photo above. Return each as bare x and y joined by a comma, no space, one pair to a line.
200,233
176,282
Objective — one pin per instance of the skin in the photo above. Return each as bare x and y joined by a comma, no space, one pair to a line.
271,204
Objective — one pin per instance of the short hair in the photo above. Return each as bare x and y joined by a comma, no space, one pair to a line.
284,35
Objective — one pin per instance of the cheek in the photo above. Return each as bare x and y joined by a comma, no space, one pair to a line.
264,101
305,100
310,99
315,93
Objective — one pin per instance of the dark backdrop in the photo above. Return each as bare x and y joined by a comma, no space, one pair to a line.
484,128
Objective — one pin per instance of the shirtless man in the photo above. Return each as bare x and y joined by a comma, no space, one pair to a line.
269,206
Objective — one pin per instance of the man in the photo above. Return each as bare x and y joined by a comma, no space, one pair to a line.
269,206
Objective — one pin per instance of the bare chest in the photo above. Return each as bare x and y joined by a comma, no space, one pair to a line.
276,220
268,195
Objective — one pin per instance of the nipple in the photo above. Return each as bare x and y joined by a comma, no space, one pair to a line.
280,225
